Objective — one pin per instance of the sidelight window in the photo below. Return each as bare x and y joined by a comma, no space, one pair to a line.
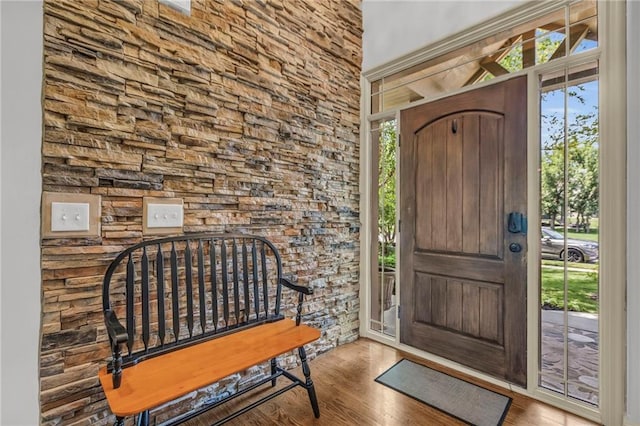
383,291
569,250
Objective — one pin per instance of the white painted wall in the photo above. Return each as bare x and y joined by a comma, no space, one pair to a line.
0,223
393,28
633,213
21,141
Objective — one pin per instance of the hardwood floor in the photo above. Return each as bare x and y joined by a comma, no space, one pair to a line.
348,395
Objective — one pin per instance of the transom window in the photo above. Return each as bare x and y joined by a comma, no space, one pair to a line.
535,42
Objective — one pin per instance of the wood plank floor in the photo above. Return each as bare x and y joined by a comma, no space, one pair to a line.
348,395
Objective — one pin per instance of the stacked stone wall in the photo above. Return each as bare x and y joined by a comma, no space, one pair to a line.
247,110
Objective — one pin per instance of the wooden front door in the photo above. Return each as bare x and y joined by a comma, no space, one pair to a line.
463,170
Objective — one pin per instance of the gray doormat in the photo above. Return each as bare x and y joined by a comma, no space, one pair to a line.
457,398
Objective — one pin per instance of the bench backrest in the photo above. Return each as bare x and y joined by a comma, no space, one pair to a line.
173,292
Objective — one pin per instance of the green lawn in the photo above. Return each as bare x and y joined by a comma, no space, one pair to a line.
560,263
591,236
582,290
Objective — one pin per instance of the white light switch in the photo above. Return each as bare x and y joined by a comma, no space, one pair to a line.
69,217
164,215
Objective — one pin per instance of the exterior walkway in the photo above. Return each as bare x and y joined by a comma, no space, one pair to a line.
582,354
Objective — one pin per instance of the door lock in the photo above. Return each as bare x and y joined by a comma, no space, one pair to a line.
515,248
517,223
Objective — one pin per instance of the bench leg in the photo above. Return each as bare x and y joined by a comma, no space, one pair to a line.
308,382
119,421
274,366
143,419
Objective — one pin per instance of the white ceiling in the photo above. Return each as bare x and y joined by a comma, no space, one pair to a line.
393,28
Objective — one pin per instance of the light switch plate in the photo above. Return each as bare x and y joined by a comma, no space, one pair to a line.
162,216
69,217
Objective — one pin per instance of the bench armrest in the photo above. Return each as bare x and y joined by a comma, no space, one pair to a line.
117,336
117,333
302,290
299,288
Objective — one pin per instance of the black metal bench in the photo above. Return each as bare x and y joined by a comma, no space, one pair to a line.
196,309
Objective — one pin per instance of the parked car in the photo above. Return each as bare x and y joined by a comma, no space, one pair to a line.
552,247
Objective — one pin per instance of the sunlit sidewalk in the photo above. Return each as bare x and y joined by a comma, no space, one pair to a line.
581,354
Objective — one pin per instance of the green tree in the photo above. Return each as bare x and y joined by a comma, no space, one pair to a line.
387,185
546,43
552,184
583,193
582,162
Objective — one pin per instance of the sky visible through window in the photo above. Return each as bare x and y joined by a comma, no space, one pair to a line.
582,109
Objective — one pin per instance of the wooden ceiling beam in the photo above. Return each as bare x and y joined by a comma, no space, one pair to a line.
475,77
494,68
577,33
553,26
491,62
528,49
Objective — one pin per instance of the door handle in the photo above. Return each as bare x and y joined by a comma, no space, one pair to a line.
517,223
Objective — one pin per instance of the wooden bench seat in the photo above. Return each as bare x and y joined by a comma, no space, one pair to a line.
165,378
196,309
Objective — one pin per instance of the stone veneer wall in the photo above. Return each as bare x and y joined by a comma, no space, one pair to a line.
248,110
